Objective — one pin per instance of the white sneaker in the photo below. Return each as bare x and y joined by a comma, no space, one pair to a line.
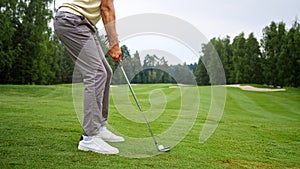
97,145
107,135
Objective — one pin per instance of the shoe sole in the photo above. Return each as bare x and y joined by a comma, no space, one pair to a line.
83,148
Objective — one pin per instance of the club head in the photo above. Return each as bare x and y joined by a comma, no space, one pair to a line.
161,148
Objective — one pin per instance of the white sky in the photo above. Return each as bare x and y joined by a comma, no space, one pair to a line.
213,18
218,18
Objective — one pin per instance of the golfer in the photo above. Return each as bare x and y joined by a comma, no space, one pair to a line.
74,25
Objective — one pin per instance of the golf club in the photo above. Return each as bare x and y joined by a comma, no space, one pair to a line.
160,148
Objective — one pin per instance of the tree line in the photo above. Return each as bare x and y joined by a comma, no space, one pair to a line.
153,69
30,53
275,60
27,48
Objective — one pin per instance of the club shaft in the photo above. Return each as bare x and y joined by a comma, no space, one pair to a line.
138,104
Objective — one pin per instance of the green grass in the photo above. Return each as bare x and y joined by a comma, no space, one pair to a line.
40,129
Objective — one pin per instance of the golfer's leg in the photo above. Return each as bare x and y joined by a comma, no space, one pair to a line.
106,91
94,77
105,103
80,44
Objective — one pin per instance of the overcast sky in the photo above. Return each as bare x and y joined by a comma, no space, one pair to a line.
213,18
218,18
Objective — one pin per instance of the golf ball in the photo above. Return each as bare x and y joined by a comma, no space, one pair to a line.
160,147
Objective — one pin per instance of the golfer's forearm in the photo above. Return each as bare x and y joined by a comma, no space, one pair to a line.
109,19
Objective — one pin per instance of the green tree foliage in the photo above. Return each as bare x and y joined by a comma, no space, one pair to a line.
137,68
153,70
274,61
7,33
288,59
245,60
149,68
281,54
202,70
182,74
24,42
252,62
62,65
224,52
293,52
238,58
163,75
118,77
210,68
30,53
201,75
273,39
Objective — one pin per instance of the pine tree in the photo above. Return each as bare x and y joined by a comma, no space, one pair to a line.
252,66
238,58
202,72
274,36
26,57
137,68
289,59
223,48
8,50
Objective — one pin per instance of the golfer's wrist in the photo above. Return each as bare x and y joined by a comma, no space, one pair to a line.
113,44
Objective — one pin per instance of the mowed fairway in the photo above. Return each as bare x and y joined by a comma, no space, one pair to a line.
40,129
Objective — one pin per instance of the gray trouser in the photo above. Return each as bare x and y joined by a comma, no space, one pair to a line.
79,37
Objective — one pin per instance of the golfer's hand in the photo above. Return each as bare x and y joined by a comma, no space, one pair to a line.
115,52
